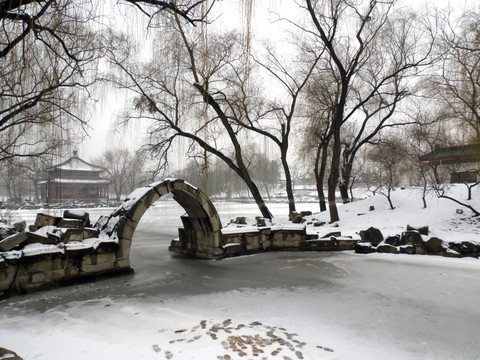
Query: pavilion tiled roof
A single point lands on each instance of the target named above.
(453, 154)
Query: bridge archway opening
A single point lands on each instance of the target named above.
(200, 235)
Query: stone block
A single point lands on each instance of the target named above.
(122, 265)
(252, 242)
(385, 248)
(107, 246)
(79, 215)
(93, 269)
(33, 238)
(45, 220)
(126, 228)
(123, 251)
(332, 234)
(38, 277)
(78, 251)
(72, 235)
(234, 249)
(12, 241)
(215, 222)
(346, 244)
(47, 263)
(70, 223)
(187, 222)
(55, 276)
(137, 210)
(106, 257)
(161, 189)
(211, 252)
(89, 233)
(177, 185)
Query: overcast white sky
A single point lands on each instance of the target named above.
(104, 134)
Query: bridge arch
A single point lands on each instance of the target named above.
(201, 232)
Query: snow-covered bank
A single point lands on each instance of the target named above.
(440, 216)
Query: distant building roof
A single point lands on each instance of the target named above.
(77, 164)
(453, 154)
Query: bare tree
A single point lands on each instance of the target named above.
(371, 54)
(124, 169)
(458, 80)
(183, 95)
(389, 158)
(48, 55)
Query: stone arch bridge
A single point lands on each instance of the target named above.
(201, 233)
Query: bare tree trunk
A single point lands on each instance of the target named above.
(288, 183)
(343, 185)
(334, 171)
(319, 170)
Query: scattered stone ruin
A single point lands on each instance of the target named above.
(412, 241)
(54, 250)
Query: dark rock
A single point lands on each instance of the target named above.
(407, 250)
(393, 240)
(422, 230)
(20, 226)
(434, 246)
(465, 248)
(371, 208)
(319, 223)
(295, 217)
(371, 235)
(385, 248)
(364, 248)
(420, 250)
(306, 213)
(241, 220)
(411, 238)
(6, 232)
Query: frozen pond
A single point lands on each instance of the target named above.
(314, 305)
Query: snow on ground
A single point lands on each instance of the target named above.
(296, 305)
(440, 215)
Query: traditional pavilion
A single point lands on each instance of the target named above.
(74, 180)
(465, 157)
